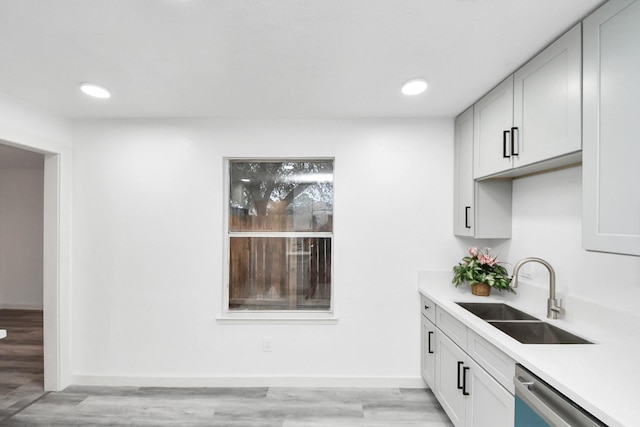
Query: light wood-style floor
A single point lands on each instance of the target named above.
(21, 360)
(24, 403)
(240, 407)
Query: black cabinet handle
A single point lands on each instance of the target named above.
(426, 307)
(464, 381)
(466, 216)
(505, 137)
(429, 350)
(459, 385)
(514, 134)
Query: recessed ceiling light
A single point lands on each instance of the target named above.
(414, 87)
(95, 91)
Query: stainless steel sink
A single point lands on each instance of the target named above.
(538, 333)
(520, 325)
(495, 311)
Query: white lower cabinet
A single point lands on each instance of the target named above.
(450, 361)
(428, 352)
(471, 385)
(488, 403)
(427, 341)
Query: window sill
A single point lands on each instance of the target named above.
(277, 318)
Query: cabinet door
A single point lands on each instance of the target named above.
(463, 209)
(450, 360)
(428, 352)
(611, 200)
(493, 360)
(547, 102)
(492, 117)
(488, 403)
(481, 209)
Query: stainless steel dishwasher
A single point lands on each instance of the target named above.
(540, 405)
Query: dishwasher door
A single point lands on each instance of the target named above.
(539, 405)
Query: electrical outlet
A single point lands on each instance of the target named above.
(526, 271)
(266, 344)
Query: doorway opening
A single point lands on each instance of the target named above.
(21, 273)
(28, 271)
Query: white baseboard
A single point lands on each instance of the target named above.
(322, 382)
(21, 307)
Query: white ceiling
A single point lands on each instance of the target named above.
(270, 58)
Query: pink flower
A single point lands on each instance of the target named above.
(486, 259)
(473, 251)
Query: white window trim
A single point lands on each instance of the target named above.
(315, 317)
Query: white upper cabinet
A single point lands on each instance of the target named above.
(611, 193)
(534, 115)
(493, 119)
(547, 102)
(481, 209)
(463, 175)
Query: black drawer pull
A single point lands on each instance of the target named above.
(459, 385)
(514, 134)
(505, 137)
(464, 381)
(466, 216)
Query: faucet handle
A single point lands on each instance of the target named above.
(554, 309)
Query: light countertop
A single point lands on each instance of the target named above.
(602, 377)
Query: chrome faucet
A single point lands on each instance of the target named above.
(553, 305)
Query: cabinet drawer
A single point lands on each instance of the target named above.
(428, 308)
(452, 328)
(495, 362)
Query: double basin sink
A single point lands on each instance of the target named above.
(520, 325)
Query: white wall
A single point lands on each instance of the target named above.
(21, 223)
(148, 241)
(547, 223)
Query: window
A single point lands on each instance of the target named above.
(280, 235)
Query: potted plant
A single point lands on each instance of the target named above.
(481, 270)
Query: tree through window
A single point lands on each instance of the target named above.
(280, 234)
